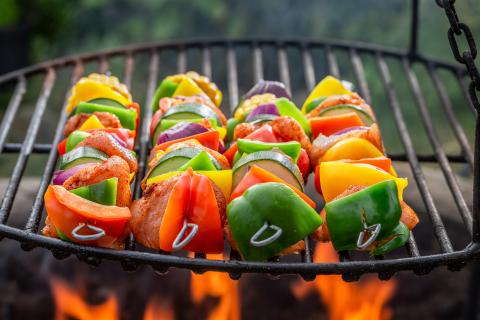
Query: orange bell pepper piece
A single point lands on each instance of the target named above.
(330, 125)
(67, 210)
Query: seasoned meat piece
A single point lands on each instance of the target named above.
(409, 217)
(243, 129)
(290, 130)
(322, 143)
(107, 119)
(110, 168)
(49, 229)
(147, 212)
(105, 142)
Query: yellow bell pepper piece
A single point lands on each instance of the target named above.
(337, 176)
(91, 123)
(352, 149)
(249, 105)
(204, 83)
(329, 86)
(88, 89)
(187, 88)
(222, 132)
(222, 178)
(112, 82)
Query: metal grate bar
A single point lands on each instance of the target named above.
(411, 246)
(147, 116)
(36, 211)
(232, 77)
(360, 75)
(182, 60)
(437, 147)
(27, 146)
(332, 62)
(128, 69)
(438, 227)
(308, 68)
(283, 67)
(207, 62)
(257, 63)
(12, 108)
(103, 65)
(451, 117)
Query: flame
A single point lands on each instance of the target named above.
(347, 301)
(218, 285)
(69, 304)
(157, 309)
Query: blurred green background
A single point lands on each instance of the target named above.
(52, 28)
(36, 30)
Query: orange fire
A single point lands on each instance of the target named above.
(157, 309)
(352, 301)
(69, 304)
(217, 285)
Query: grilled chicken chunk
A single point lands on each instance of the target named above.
(106, 143)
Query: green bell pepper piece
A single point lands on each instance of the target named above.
(291, 148)
(347, 216)
(166, 89)
(399, 237)
(287, 108)
(237, 156)
(75, 138)
(127, 117)
(314, 103)
(273, 207)
(201, 161)
(104, 192)
(231, 124)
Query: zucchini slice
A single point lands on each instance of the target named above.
(80, 156)
(275, 162)
(175, 159)
(190, 111)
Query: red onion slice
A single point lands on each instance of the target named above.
(60, 176)
(181, 130)
(266, 108)
(274, 87)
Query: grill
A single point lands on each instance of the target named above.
(290, 59)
